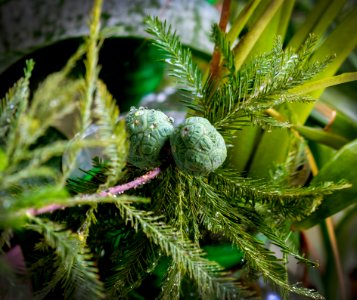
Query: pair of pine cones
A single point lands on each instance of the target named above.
(196, 146)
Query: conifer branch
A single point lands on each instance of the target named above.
(263, 260)
(54, 98)
(224, 47)
(71, 63)
(259, 258)
(170, 289)
(177, 57)
(89, 86)
(75, 270)
(91, 62)
(185, 254)
(263, 83)
(221, 218)
(91, 180)
(41, 155)
(107, 114)
(293, 203)
(11, 104)
(26, 173)
(70, 163)
(136, 259)
(182, 212)
(36, 160)
(18, 102)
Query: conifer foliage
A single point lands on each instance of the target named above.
(84, 240)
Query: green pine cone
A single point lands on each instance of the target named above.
(197, 147)
(148, 130)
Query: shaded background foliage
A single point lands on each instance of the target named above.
(130, 70)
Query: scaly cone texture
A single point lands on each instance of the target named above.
(197, 147)
(149, 130)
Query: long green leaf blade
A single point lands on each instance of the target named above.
(341, 166)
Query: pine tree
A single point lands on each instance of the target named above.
(97, 236)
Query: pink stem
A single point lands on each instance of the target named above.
(115, 190)
(119, 189)
(44, 210)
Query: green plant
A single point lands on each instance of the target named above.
(148, 130)
(94, 241)
(197, 147)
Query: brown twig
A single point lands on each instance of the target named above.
(331, 120)
(223, 22)
(216, 56)
(115, 190)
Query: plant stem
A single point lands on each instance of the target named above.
(224, 15)
(44, 210)
(115, 190)
(119, 189)
(336, 255)
(216, 56)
